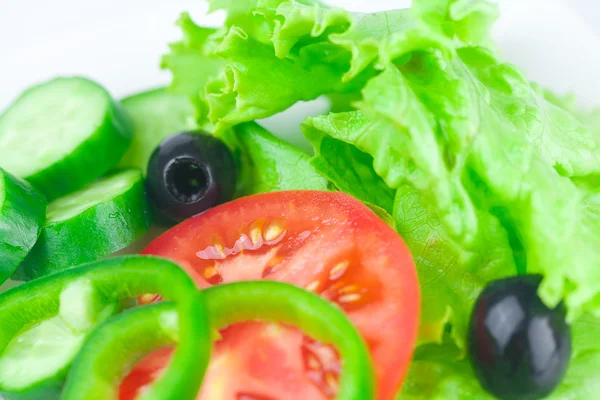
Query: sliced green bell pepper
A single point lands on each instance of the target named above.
(69, 304)
(112, 349)
(280, 302)
(115, 345)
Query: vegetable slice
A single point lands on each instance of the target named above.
(326, 242)
(92, 223)
(94, 371)
(155, 114)
(22, 213)
(106, 356)
(64, 127)
(243, 301)
(69, 305)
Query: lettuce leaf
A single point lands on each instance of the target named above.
(345, 165)
(273, 53)
(223, 72)
(490, 159)
(451, 275)
(589, 118)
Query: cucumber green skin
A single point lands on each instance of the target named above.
(95, 233)
(22, 215)
(92, 159)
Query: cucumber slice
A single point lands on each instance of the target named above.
(22, 213)
(156, 114)
(90, 224)
(32, 356)
(35, 362)
(62, 135)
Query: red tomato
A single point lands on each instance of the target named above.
(328, 243)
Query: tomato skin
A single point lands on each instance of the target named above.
(326, 242)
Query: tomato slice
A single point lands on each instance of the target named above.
(325, 242)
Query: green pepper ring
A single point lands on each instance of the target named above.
(322, 320)
(99, 364)
(110, 279)
(227, 304)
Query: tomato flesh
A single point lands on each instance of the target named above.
(325, 242)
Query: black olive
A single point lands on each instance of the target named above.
(189, 173)
(519, 348)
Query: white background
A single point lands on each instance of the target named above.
(119, 42)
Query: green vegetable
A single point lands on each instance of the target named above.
(45, 322)
(382, 214)
(107, 355)
(22, 213)
(64, 127)
(267, 164)
(316, 317)
(90, 224)
(349, 168)
(94, 372)
(155, 114)
(223, 71)
(451, 276)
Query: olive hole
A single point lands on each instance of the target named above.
(187, 180)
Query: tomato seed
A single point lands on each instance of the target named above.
(348, 289)
(339, 270)
(313, 286)
(274, 230)
(331, 380)
(256, 236)
(349, 298)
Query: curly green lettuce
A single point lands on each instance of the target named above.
(488, 155)
(233, 77)
(273, 53)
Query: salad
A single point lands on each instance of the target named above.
(439, 242)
